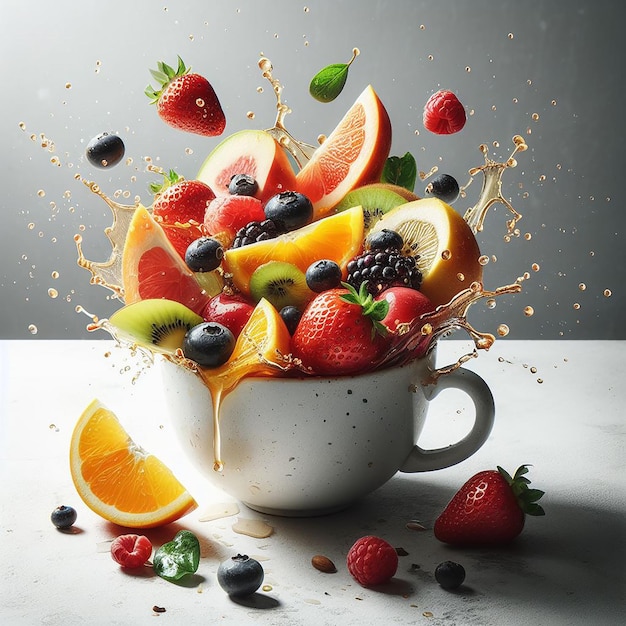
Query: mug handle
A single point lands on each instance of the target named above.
(421, 460)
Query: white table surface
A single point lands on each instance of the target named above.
(566, 568)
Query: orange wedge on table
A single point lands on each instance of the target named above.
(337, 238)
(447, 250)
(117, 479)
(353, 155)
(151, 267)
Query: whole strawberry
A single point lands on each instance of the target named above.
(489, 509)
(186, 101)
(340, 332)
(180, 200)
(443, 113)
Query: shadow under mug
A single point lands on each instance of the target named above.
(310, 446)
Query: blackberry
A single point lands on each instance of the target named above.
(256, 231)
(383, 269)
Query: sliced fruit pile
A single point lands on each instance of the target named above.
(346, 259)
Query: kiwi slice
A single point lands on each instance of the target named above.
(157, 324)
(376, 200)
(281, 283)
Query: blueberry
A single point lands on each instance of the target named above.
(242, 185)
(240, 575)
(291, 316)
(63, 516)
(289, 210)
(204, 254)
(209, 344)
(105, 150)
(443, 187)
(323, 275)
(450, 575)
(384, 239)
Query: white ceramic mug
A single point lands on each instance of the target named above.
(310, 446)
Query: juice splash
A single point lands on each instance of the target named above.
(261, 350)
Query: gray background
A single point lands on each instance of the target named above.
(567, 185)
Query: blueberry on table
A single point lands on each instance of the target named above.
(105, 150)
(209, 344)
(63, 517)
(240, 575)
(450, 575)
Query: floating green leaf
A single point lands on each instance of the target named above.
(178, 557)
(329, 82)
(401, 171)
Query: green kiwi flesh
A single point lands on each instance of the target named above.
(157, 324)
(375, 200)
(281, 283)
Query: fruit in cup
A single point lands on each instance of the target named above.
(289, 210)
(489, 509)
(227, 214)
(405, 305)
(252, 152)
(282, 284)
(337, 238)
(119, 480)
(322, 275)
(178, 200)
(209, 344)
(447, 251)
(231, 311)
(152, 268)
(243, 185)
(340, 332)
(353, 155)
(156, 323)
(204, 254)
(186, 101)
(105, 150)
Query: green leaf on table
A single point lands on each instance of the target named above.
(329, 82)
(178, 557)
(400, 171)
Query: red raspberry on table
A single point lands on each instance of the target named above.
(372, 561)
(443, 113)
(131, 551)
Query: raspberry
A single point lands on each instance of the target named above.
(372, 561)
(443, 113)
(131, 550)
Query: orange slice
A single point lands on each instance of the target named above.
(337, 238)
(117, 479)
(151, 267)
(258, 351)
(447, 248)
(353, 155)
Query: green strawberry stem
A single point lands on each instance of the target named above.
(526, 498)
(375, 310)
(169, 178)
(164, 75)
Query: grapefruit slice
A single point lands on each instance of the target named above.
(252, 152)
(120, 481)
(448, 253)
(152, 268)
(337, 238)
(353, 155)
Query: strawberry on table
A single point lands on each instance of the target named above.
(186, 101)
(340, 332)
(443, 113)
(489, 509)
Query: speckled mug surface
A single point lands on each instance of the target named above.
(309, 446)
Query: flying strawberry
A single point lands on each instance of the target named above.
(340, 332)
(186, 101)
(489, 509)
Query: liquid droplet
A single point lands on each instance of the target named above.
(32, 329)
(529, 311)
(608, 293)
(503, 330)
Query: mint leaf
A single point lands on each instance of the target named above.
(400, 171)
(329, 82)
(178, 557)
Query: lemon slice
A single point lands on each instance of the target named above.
(446, 248)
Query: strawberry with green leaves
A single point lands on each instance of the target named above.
(186, 101)
(489, 509)
(340, 332)
(179, 206)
